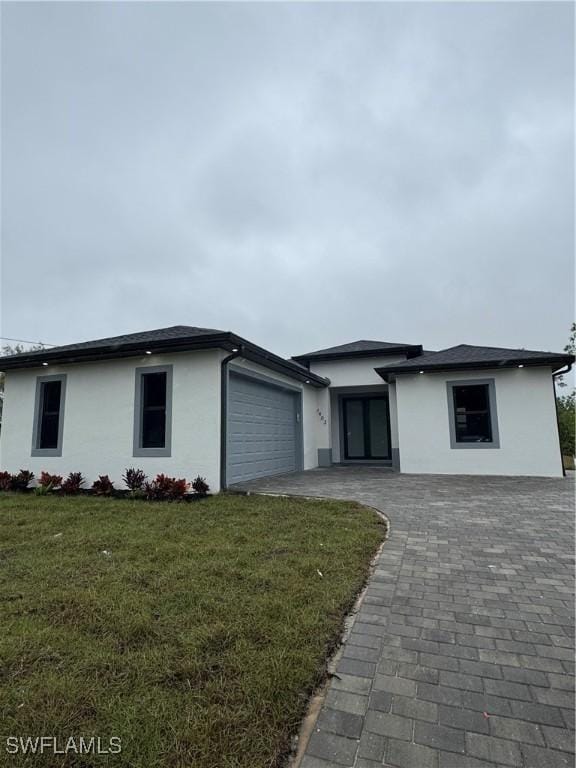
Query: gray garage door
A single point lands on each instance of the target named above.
(263, 430)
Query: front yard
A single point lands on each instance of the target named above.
(192, 632)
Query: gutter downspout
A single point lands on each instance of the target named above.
(224, 412)
(559, 373)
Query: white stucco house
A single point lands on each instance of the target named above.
(188, 401)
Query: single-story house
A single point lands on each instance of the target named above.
(192, 401)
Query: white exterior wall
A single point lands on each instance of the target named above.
(311, 422)
(527, 425)
(355, 371)
(323, 417)
(99, 419)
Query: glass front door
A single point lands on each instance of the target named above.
(366, 428)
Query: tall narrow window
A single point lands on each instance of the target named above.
(472, 406)
(48, 416)
(154, 410)
(152, 424)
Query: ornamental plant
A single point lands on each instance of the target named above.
(134, 479)
(49, 482)
(164, 488)
(200, 486)
(22, 480)
(103, 486)
(178, 489)
(73, 483)
(5, 481)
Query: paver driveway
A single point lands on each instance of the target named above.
(461, 655)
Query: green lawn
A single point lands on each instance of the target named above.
(196, 639)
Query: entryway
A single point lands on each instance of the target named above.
(366, 428)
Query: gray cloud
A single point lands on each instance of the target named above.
(303, 174)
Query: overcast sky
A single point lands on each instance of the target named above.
(303, 174)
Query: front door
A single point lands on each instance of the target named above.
(366, 425)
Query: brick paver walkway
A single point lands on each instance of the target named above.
(461, 655)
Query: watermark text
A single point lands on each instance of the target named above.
(79, 745)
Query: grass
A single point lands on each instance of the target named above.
(196, 639)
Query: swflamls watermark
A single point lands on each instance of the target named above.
(79, 745)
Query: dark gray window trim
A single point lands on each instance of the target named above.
(139, 373)
(36, 451)
(495, 442)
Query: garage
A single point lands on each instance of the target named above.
(264, 434)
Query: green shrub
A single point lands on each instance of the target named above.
(566, 423)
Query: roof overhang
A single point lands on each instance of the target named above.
(226, 341)
(555, 362)
(410, 350)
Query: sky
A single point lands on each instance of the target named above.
(301, 174)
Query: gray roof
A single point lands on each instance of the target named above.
(360, 348)
(176, 338)
(466, 356)
(172, 333)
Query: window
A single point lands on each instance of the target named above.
(153, 411)
(472, 409)
(48, 416)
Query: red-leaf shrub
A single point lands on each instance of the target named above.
(134, 479)
(103, 486)
(178, 489)
(159, 488)
(22, 480)
(5, 481)
(164, 487)
(73, 483)
(49, 481)
(200, 486)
